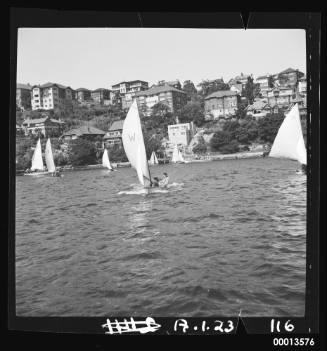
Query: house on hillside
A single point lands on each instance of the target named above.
(46, 126)
(289, 77)
(166, 94)
(259, 109)
(82, 94)
(100, 95)
(23, 96)
(221, 104)
(114, 135)
(86, 132)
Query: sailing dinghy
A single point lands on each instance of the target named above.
(37, 167)
(153, 159)
(106, 161)
(289, 141)
(177, 156)
(134, 147)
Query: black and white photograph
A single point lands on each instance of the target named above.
(161, 172)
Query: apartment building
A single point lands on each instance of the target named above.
(166, 94)
(289, 77)
(241, 79)
(223, 103)
(264, 83)
(23, 96)
(100, 95)
(82, 94)
(125, 91)
(51, 96)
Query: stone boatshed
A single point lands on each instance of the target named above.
(221, 104)
(86, 132)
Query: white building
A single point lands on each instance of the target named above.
(303, 85)
(51, 96)
(181, 134)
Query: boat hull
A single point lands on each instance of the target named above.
(38, 174)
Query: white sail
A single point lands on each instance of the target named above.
(289, 142)
(49, 157)
(180, 156)
(175, 157)
(37, 162)
(153, 159)
(105, 160)
(133, 143)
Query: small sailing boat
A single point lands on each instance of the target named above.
(37, 167)
(177, 156)
(134, 147)
(289, 141)
(153, 159)
(106, 161)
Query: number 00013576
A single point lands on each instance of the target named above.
(293, 342)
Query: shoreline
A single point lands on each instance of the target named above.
(212, 158)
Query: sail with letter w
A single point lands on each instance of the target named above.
(134, 147)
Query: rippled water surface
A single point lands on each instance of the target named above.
(229, 235)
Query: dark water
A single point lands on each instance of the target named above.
(232, 236)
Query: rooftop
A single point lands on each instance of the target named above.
(50, 84)
(157, 89)
(85, 130)
(82, 89)
(41, 120)
(221, 93)
(117, 125)
(24, 86)
(99, 89)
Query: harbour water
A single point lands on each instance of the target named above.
(227, 236)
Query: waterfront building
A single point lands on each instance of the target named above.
(23, 96)
(181, 133)
(114, 135)
(166, 94)
(51, 96)
(223, 103)
(86, 132)
(46, 126)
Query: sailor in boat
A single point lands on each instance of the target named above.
(155, 182)
(303, 169)
(164, 181)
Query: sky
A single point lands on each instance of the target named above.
(100, 57)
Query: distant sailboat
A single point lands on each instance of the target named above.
(49, 157)
(289, 142)
(153, 159)
(105, 160)
(134, 147)
(37, 167)
(177, 156)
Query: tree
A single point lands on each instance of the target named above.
(230, 148)
(219, 139)
(249, 91)
(117, 153)
(159, 119)
(269, 125)
(152, 143)
(190, 90)
(81, 152)
(192, 112)
(240, 113)
(201, 147)
(208, 87)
